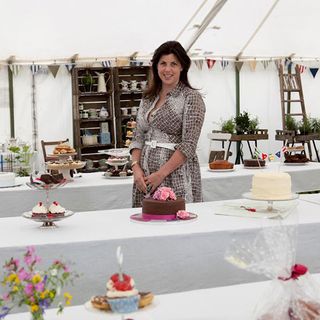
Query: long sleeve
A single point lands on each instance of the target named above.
(193, 117)
(139, 135)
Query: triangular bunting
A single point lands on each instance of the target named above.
(264, 156)
(238, 65)
(278, 154)
(278, 63)
(301, 68)
(252, 65)
(70, 66)
(265, 64)
(271, 156)
(210, 63)
(224, 64)
(35, 68)
(314, 71)
(122, 62)
(14, 69)
(199, 64)
(288, 63)
(54, 68)
(106, 64)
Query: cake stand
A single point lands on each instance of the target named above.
(270, 208)
(65, 168)
(47, 222)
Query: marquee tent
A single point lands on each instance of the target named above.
(259, 33)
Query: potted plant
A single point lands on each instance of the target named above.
(315, 124)
(242, 122)
(253, 125)
(228, 126)
(87, 81)
(305, 126)
(291, 123)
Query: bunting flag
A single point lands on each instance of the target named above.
(122, 62)
(288, 63)
(253, 65)
(199, 64)
(14, 69)
(54, 68)
(278, 154)
(106, 64)
(278, 63)
(35, 68)
(238, 65)
(271, 156)
(210, 63)
(301, 68)
(314, 71)
(264, 156)
(284, 149)
(257, 152)
(265, 64)
(224, 64)
(70, 66)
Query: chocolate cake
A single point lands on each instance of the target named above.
(162, 207)
(295, 158)
(254, 163)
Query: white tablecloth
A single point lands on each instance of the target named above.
(94, 192)
(225, 303)
(163, 258)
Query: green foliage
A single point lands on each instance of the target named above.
(228, 126)
(315, 124)
(291, 123)
(242, 122)
(305, 126)
(253, 124)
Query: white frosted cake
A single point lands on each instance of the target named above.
(271, 186)
(7, 179)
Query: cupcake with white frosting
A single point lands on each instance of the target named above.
(56, 209)
(39, 210)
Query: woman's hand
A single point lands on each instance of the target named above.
(139, 178)
(154, 180)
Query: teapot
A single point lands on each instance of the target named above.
(103, 113)
(125, 85)
(134, 85)
(102, 82)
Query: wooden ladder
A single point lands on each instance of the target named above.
(291, 93)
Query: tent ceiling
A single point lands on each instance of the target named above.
(37, 29)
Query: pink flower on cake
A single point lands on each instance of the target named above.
(182, 214)
(164, 193)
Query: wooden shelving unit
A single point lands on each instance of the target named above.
(127, 100)
(86, 120)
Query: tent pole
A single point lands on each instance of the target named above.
(237, 78)
(258, 28)
(206, 21)
(11, 104)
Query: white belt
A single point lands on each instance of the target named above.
(155, 144)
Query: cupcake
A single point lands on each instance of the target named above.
(39, 211)
(121, 294)
(56, 210)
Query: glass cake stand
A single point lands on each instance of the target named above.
(270, 208)
(48, 221)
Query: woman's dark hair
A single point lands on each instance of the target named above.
(166, 48)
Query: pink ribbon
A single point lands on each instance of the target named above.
(149, 216)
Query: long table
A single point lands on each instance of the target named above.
(223, 303)
(94, 192)
(163, 258)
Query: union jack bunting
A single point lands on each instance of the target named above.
(35, 68)
(106, 64)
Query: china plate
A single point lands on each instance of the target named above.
(222, 170)
(117, 163)
(115, 177)
(17, 184)
(137, 217)
(119, 152)
(295, 163)
(248, 195)
(28, 215)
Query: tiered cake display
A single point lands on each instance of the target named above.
(118, 162)
(47, 212)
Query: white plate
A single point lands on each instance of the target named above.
(118, 163)
(245, 167)
(28, 215)
(13, 186)
(222, 170)
(115, 177)
(295, 163)
(248, 195)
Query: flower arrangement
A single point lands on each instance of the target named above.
(37, 289)
(164, 193)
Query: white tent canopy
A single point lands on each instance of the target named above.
(45, 32)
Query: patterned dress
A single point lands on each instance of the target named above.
(179, 121)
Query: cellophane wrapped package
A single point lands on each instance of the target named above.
(293, 293)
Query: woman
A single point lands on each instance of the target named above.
(169, 123)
